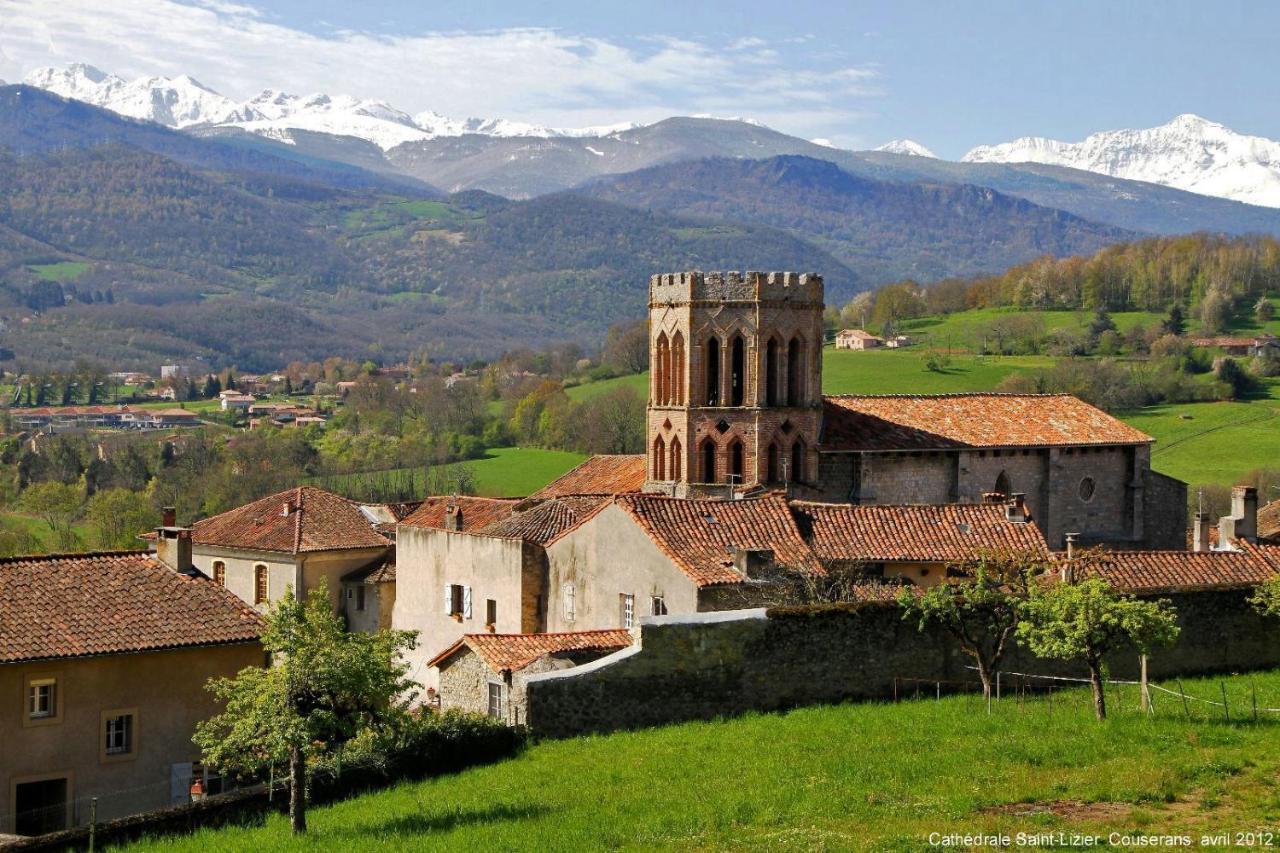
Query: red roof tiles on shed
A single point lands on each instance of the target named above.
(699, 535)
(547, 521)
(1186, 571)
(77, 605)
(943, 533)
(504, 652)
(300, 520)
(598, 475)
(476, 512)
(942, 421)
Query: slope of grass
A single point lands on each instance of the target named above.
(502, 472)
(1212, 442)
(903, 371)
(61, 271)
(872, 776)
(39, 530)
(965, 329)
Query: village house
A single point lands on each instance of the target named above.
(71, 418)
(295, 540)
(486, 673)
(858, 339)
(234, 401)
(103, 664)
(1240, 346)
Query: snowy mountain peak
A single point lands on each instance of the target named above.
(183, 101)
(1190, 153)
(906, 146)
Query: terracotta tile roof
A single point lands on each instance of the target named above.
(1183, 571)
(515, 651)
(860, 334)
(75, 605)
(298, 521)
(1228, 342)
(476, 512)
(598, 475)
(699, 535)
(945, 533)
(381, 570)
(1269, 521)
(547, 521)
(920, 422)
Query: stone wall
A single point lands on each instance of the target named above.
(720, 664)
(1165, 512)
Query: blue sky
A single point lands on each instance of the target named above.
(949, 75)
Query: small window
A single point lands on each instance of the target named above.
(118, 732)
(1087, 488)
(659, 606)
(570, 602)
(360, 597)
(490, 612)
(219, 573)
(495, 700)
(42, 698)
(627, 604)
(260, 588)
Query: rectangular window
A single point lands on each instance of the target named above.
(454, 597)
(627, 604)
(360, 597)
(260, 589)
(659, 606)
(119, 734)
(490, 612)
(220, 573)
(570, 602)
(495, 700)
(42, 698)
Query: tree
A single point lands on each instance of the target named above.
(1266, 600)
(117, 516)
(212, 387)
(325, 686)
(1264, 310)
(1086, 620)
(981, 609)
(626, 346)
(56, 503)
(1175, 322)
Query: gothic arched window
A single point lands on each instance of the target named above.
(771, 373)
(676, 460)
(737, 371)
(795, 372)
(1002, 485)
(798, 453)
(712, 371)
(772, 464)
(735, 462)
(662, 371)
(677, 369)
(708, 461)
(659, 459)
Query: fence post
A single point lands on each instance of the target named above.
(1226, 711)
(93, 823)
(1146, 692)
(1183, 693)
(997, 684)
(1253, 693)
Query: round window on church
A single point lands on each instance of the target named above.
(1086, 489)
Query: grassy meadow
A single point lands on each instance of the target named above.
(869, 776)
(501, 472)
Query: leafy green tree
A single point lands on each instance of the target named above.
(56, 503)
(981, 609)
(117, 516)
(1085, 620)
(326, 686)
(1175, 322)
(1264, 310)
(212, 387)
(1266, 600)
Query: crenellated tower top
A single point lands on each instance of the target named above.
(679, 288)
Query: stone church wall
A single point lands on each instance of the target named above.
(721, 664)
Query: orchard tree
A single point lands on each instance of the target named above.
(1267, 598)
(1085, 620)
(326, 685)
(981, 609)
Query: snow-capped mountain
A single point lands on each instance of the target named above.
(182, 102)
(906, 146)
(1189, 153)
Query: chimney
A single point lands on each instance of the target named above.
(1071, 544)
(992, 498)
(453, 518)
(173, 548)
(753, 563)
(169, 517)
(1200, 534)
(1244, 509)
(1016, 508)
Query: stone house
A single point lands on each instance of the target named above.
(919, 544)
(294, 539)
(858, 339)
(103, 664)
(369, 595)
(486, 673)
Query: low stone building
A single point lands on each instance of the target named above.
(291, 540)
(486, 673)
(103, 664)
(369, 595)
(857, 339)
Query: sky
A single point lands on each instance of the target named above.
(950, 75)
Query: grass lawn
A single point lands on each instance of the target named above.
(638, 382)
(870, 776)
(39, 529)
(1212, 442)
(62, 271)
(502, 472)
(964, 330)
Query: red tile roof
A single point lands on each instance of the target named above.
(915, 422)
(699, 535)
(476, 512)
(945, 533)
(1269, 520)
(298, 521)
(75, 605)
(1185, 571)
(381, 570)
(547, 521)
(515, 651)
(598, 475)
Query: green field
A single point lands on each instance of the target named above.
(39, 529)
(964, 330)
(1212, 442)
(638, 382)
(850, 777)
(503, 471)
(62, 271)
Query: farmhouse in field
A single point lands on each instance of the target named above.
(857, 339)
(103, 664)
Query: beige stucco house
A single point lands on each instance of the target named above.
(103, 664)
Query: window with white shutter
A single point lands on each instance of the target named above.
(466, 602)
(570, 602)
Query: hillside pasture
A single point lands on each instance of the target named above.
(61, 271)
(869, 776)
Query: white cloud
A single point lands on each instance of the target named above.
(538, 75)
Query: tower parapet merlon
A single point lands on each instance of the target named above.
(695, 285)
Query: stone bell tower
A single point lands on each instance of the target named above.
(735, 390)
